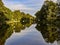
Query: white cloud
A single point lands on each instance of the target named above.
(22, 8)
(18, 7)
(54, 0)
(28, 6)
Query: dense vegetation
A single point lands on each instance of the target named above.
(48, 12)
(48, 21)
(13, 17)
(12, 21)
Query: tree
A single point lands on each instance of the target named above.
(24, 20)
(48, 12)
(3, 20)
(17, 15)
(46, 19)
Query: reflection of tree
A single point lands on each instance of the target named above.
(52, 34)
(49, 32)
(18, 26)
(3, 28)
(4, 34)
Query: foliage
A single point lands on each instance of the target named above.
(24, 20)
(11, 21)
(47, 21)
(48, 12)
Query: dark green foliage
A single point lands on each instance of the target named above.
(47, 20)
(10, 21)
(48, 12)
(25, 20)
(3, 20)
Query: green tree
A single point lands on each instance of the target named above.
(25, 20)
(3, 20)
(48, 12)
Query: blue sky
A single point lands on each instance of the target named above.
(27, 6)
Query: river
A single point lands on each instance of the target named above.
(28, 36)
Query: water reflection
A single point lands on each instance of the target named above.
(6, 30)
(3, 27)
(50, 31)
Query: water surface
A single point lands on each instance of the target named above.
(28, 36)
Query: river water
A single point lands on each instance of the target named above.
(28, 36)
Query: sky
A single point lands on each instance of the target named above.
(27, 6)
